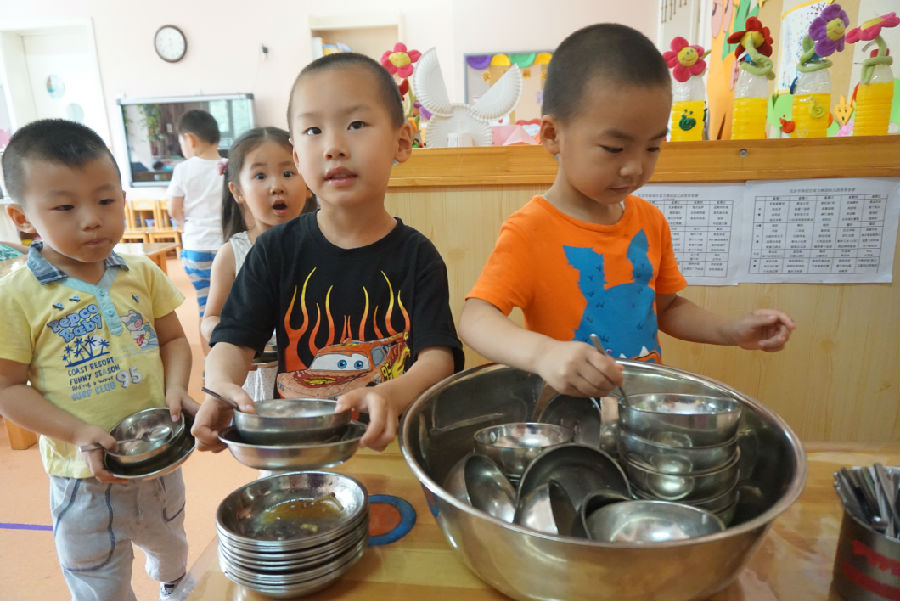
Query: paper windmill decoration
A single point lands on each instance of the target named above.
(462, 119)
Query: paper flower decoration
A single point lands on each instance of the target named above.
(755, 44)
(871, 29)
(827, 30)
(754, 35)
(825, 37)
(684, 59)
(399, 61)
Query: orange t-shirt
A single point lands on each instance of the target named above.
(573, 278)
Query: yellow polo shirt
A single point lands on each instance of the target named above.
(91, 348)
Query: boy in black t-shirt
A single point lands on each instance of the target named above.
(359, 301)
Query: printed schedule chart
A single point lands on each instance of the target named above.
(836, 230)
(702, 221)
(840, 230)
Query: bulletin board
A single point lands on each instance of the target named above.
(481, 70)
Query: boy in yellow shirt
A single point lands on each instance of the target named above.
(90, 337)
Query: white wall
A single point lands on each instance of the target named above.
(225, 38)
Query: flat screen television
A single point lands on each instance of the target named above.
(152, 137)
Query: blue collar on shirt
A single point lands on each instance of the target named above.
(45, 272)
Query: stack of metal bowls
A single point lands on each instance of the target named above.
(148, 442)
(438, 432)
(682, 447)
(286, 434)
(292, 534)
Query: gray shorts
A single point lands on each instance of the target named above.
(95, 524)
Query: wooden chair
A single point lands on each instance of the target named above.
(164, 231)
(161, 213)
(19, 437)
(137, 210)
(140, 234)
(169, 234)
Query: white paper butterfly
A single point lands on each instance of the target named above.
(449, 118)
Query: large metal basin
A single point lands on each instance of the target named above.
(524, 564)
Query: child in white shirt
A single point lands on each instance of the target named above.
(195, 194)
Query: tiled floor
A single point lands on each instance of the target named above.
(28, 566)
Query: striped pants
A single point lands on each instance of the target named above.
(197, 264)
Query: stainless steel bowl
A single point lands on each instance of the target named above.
(176, 453)
(257, 513)
(716, 504)
(681, 419)
(144, 435)
(579, 414)
(292, 534)
(488, 488)
(437, 431)
(513, 446)
(579, 469)
(287, 421)
(650, 522)
(534, 510)
(296, 455)
(674, 460)
(684, 487)
(455, 482)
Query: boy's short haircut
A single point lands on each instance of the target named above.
(54, 140)
(387, 87)
(201, 124)
(617, 53)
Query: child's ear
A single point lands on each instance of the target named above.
(17, 214)
(404, 142)
(550, 134)
(234, 192)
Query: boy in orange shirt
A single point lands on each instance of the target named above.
(588, 257)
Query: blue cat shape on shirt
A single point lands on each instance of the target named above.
(622, 316)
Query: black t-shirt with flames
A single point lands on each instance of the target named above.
(343, 318)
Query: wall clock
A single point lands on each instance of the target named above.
(170, 43)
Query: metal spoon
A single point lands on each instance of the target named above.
(889, 486)
(599, 346)
(849, 498)
(858, 489)
(220, 397)
(883, 485)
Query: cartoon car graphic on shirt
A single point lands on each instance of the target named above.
(350, 364)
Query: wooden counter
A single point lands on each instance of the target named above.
(838, 379)
(794, 560)
(710, 161)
